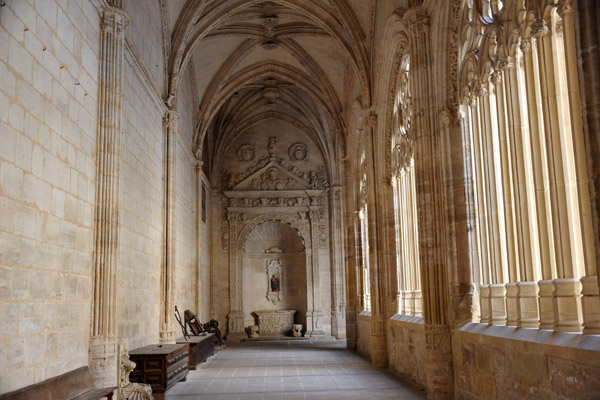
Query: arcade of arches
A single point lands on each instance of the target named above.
(417, 177)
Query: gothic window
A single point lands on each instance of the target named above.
(409, 297)
(522, 114)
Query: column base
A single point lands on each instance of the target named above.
(529, 315)
(512, 304)
(103, 362)
(546, 303)
(590, 305)
(567, 301)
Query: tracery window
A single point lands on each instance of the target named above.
(521, 105)
(405, 206)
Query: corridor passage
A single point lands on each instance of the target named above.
(286, 370)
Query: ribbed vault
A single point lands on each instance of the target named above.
(255, 60)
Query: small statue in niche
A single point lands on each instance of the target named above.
(274, 283)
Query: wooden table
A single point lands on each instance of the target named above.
(201, 347)
(160, 365)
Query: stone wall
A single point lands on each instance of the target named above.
(363, 334)
(48, 89)
(510, 363)
(186, 276)
(144, 34)
(141, 219)
(406, 348)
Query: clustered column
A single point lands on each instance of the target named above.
(103, 331)
(167, 277)
(428, 178)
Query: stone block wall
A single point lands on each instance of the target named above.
(186, 277)
(406, 348)
(48, 89)
(144, 34)
(363, 334)
(509, 363)
(141, 216)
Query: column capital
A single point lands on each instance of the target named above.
(416, 21)
(481, 91)
(525, 45)
(539, 28)
(114, 20)
(565, 7)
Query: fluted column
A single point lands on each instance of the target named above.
(167, 278)
(431, 218)
(103, 331)
(338, 279)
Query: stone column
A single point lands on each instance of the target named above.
(350, 256)
(103, 330)
(314, 315)
(201, 287)
(338, 279)
(430, 205)
(588, 47)
(167, 278)
(236, 306)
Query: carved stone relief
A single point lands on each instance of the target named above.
(298, 152)
(246, 152)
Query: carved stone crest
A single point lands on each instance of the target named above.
(246, 152)
(298, 152)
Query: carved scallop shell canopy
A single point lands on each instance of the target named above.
(273, 235)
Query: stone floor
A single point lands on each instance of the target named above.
(322, 370)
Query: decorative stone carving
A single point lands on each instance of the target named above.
(246, 152)
(271, 148)
(275, 323)
(127, 390)
(274, 275)
(298, 152)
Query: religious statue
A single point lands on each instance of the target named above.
(274, 283)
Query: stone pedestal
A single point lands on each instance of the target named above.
(276, 322)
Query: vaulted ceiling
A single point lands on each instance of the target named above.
(254, 60)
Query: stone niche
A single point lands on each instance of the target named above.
(275, 230)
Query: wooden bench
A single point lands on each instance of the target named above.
(74, 385)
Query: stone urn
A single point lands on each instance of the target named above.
(252, 331)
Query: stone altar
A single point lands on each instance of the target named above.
(275, 322)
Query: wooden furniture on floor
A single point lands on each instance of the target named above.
(74, 385)
(201, 347)
(160, 366)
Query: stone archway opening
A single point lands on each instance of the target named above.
(274, 272)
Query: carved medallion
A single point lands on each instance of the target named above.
(298, 152)
(246, 152)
